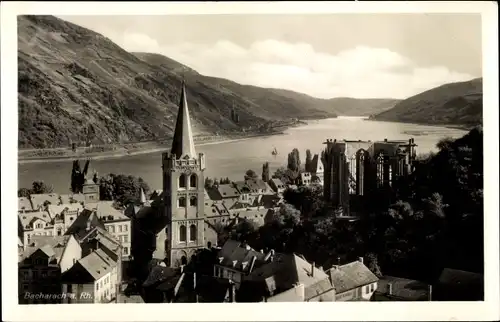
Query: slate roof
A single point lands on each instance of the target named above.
(350, 276)
(255, 184)
(227, 191)
(402, 289)
(285, 271)
(238, 256)
(160, 274)
(79, 227)
(242, 187)
(459, 277)
(278, 183)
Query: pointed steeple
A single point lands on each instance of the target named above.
(143, 197)
(183, 143)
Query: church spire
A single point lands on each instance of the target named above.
(143, 196)
(183, 143)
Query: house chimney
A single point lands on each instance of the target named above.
(338, 261)
(389, 288)
(430, 292)
(385, 140)
(360, 259)
(252, 264)
(312, 269)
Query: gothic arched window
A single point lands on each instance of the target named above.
(353, 174)
(361, 159)
(193, 201)
(193, 180)
(380, 169)
(182, 202)
(182, 181)
(182, 233)
(192, 232)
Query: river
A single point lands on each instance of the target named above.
(232, 159)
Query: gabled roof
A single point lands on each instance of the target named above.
(350, 276)
(238, 256)
(97, 264)
(106, 211)
(83, 224)
(52, 246)
(183, 143)
(55, 210)
(28, 218)
(286, 271)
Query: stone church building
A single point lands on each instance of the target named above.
(356, 169)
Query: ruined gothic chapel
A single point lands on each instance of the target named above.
(355, 169)
(184, 192)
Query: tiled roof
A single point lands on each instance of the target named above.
(24, 203)
(37, 200)
(402, 288)
(228, 191)
(97, 263)
(237, 256)
(350, 276)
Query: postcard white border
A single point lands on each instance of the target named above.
(370, 311)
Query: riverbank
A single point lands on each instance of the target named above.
(119, 151)
(448, 126)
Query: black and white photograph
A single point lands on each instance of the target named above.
(198, 155)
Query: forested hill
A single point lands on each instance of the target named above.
(75, 83)
(454, 104)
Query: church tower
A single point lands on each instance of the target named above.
(184, 192)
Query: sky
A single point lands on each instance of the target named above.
(325, 56)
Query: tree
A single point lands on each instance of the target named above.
(209, 182)
(122, 188)
(265, 172)
(24, 192)
(372, 263)
(40, 187)
(308, 165)
(294, 160)
(250, 174)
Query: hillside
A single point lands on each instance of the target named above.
(454, 104)
(75, 84)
